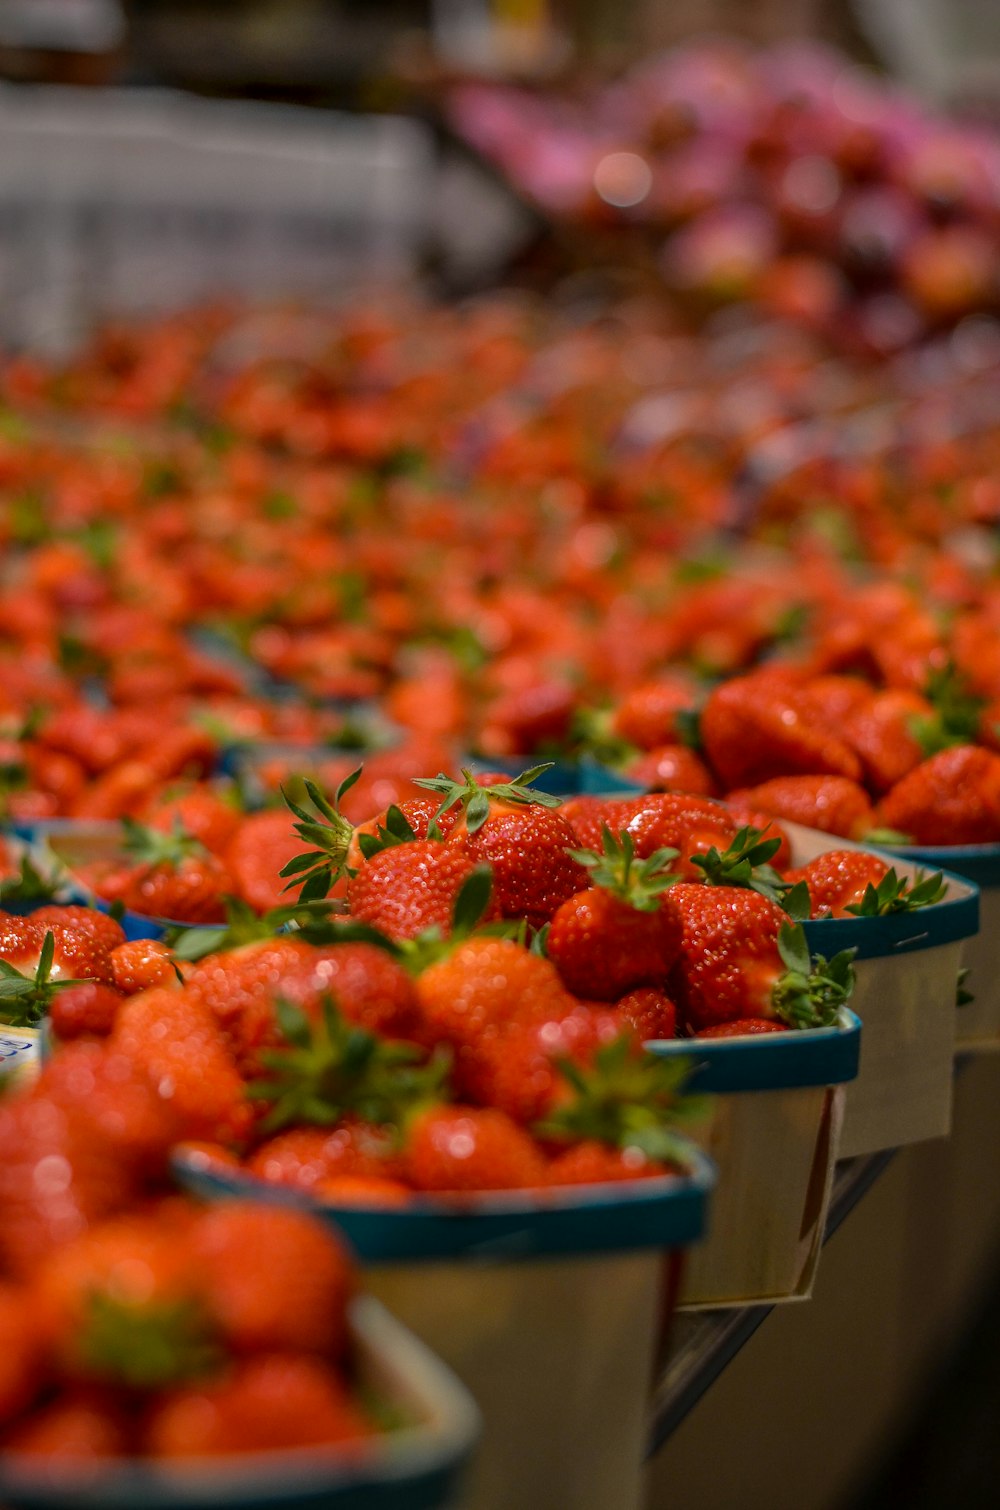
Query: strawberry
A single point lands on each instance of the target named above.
(201, 812)
(24, 998)
(754, 728)
(306, 1157)
(77, 953)
(671, 768)
(515, 1068)
(140, 964)
(175, 1039)
(74, 1428)
(650, 1011)
(741, 958)
(514, 829)
(884, 733)
(364, 1190)
(165, 876)
(743, 1027)
(87, 1008)
(485, 983)
(952, 798)
(261, 846)
(89, 921)
(408, 888)
(21, 1353)
(838, 877)
(595, 1163)
(746, 862)
(277, 1400)
(239, 1247)
(621, 931)
(466, 1148)
(746, 816)
(830, 803)
(647, 716)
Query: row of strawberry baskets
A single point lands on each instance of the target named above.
(554, 1315)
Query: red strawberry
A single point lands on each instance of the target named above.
(256, 854)
(76, 955)
(672, 768)
(515, 1068)
(754, 728)
(515, 830)
(364, 1190)
(743, 1027)
(238, 1248)
(140, 964)
(882, 731)
(74, 1428)
(952, 798)
(741, 958)
(830, 803)
(89, 921)
(273, 1401)
(166, 876)
(468, 1148)
(620, 932)
(838, 879)
(647, 715)
(485, 983)
(176, 1040)
(89, 1008)
(650, 1011)
(21, 1353)
(306, 1157)
(407, 888)
(594, 1163)
(200, 812)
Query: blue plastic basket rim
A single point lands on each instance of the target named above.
(975, 863)
(664, 1212)
(794, 1060)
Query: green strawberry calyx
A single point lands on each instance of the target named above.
(24, 999)
(746, 863)
(395, 830)
(895, 894)
(30, 884)
(476, 799)
(149, 1346)
(956, 712)
(331, 1068)
(327, 833)
(243, 926)
(153, 847)
(626, 1098)
(812, 989)
(592, 732)
(615, 870)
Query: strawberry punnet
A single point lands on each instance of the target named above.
(621, 931)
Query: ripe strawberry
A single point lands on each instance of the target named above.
(621, 931)
(671, 768)
(513, 829)
(754, 728)
(89, 921)
(407, 888)
(74, 1428)
(468, 1148)
(364, 1190)
(743, 1027)
(200, 812)
(89, 1008)
(590, 816)
(883, 733)
(166, 876)
(830, 803)
(305, 1157)
(647, 715)
(485, 983)
(952, 798)
(741, 958)
(140, 964)
(838, 878)
(239, 1247)
(650, 1011)
(256, 854)
(265, 1403)
(175, 1039)
(21, 1353)
(515, 1068)
(76, 954)
(595, 1163)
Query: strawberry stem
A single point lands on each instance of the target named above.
(812, 989)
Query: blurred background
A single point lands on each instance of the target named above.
(276, 146)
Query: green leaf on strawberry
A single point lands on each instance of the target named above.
(476, 799)
(24, 999)
(328, 834)
(813, 989)
(895, 894)
(615, 870)
(746, 863)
